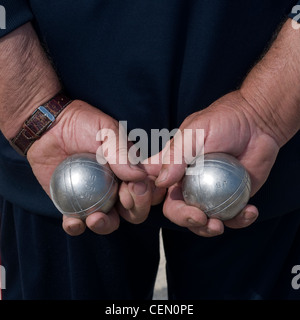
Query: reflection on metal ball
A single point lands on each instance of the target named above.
(220, 186)
(80, 186)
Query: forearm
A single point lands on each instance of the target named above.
(27, 78)
(272, 87)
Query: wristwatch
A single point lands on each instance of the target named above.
(39, 122)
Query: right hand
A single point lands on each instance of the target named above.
(75, 132)
(230, 126)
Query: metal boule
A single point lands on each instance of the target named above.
(219, 186)
(80, 186)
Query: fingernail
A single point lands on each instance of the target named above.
(139, 188)
(210, 231)
(99, 224)
(191, 221)
(162, 175)
(249, 215)
(75, 227)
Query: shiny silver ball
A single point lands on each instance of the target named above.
(80, 186)
(219, 185)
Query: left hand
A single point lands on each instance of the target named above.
(75, 132)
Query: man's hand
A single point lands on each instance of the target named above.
(250, 124)
(75, 132)
(27, 81)
(228, 128)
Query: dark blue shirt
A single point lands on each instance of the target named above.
(152, 63)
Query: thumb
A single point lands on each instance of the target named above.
(153, 164)
(182, 150)
(173, 164)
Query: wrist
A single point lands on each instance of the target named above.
(27, 78)
(14, 122)
(42, 119)
(272, 87)
(259, 110)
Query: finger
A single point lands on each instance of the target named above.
(213, 228)
(127, 200)
(247, 216)
(114, 150)
(158, 194)
(153, 164)
(177, 211)
(73, 226)
(186, 145)
(128, 172)
(139, 195)
(125, 197)
(173, 165)
(160, 162)
(102, 223)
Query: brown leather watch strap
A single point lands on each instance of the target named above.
(38, 123)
